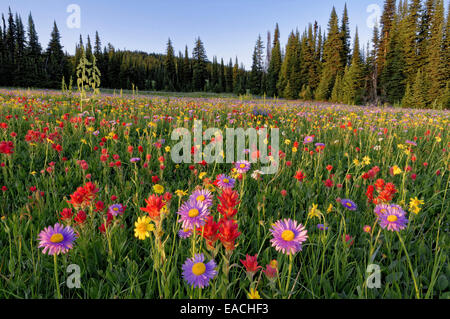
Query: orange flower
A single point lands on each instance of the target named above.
(154, 205)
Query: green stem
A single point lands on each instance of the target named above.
(58, 292)
(410, 265)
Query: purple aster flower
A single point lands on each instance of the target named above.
(193, 214)
(349, 204)
(116, 209)
(319, 144)
(308, 139)
(197, 273)
(224, 181)
(57, 239)
(381, 209)
(411, 143)
(202, 195)
(288, 236)
(184, 233)
(242, 166)
(135, 159)
(322, 227)
(394, 219)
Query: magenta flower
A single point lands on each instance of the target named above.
(57, 239)
(288, 236)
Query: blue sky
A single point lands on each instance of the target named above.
(227, 28)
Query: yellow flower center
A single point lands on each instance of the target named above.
(56, 238)
(198, 269)
(142, 227)
(201, 198)
(392, 218)
(193, 212)
(383, 210)
(226, 180)
(349, 205)
(242, 165)
(115, 209)
(288, 235)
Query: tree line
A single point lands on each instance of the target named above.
(406, 63)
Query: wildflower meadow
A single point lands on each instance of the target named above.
(92, 204)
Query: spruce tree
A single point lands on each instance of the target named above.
(332, 58)
(55, 60)
(387, 20)
(435, 76)
(273, 72)
(170, 69)
(393, 77)
(289, 83)
(345, 37)
(256, 74)
(34, 56)
(199, 74)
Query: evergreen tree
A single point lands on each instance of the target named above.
(410, 40)
(187, 72)
(199, 74)
(332, 58)
(345, 35)
(55, 60)
(353, 77)
(387, 20)
(419, 91)
(34, 56)
(256, 74)
(289, 83)
(274, 65)
(392, 77)
(170, 69)
(435, 68)
(229, 77)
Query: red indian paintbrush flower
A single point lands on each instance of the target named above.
(251, 264)
(229, 199)
(154, 205)
(228, 232)
(209, 232)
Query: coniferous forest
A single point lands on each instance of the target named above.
(407, 62)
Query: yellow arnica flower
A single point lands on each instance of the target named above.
(314, 212)
(396, 170)
(143, 227)
(159, 189)
(414, 205)
(253, 294)
(330, 209)
(180, 193)
(201, 175)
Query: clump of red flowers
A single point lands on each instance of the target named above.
(6, 147)
(385, 191)
(83, 196)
